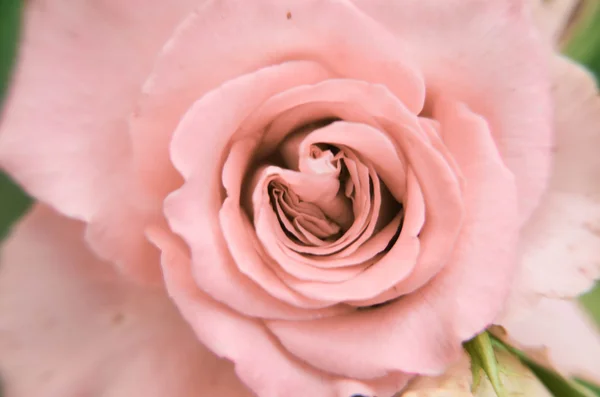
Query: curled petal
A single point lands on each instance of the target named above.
(376, 106)
(227, 334)
(226, 39)
(422, 332)
(193, 210)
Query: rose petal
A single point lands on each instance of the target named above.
(242, 241)
(269, 231)
(492, 218)
(192, 211)
(432, 129)
(330, 90)
(227, 334)
(566, 333)
(442, 186)
(70, 326)
(252, 262)
(223, 110)
(341, 98)
(560, 246)
(269, 234)
(290, 120)
(393, 266)
(75, 147)
(378, 149)
(423, 331)
(226, 39)
(379, 102)
(302, 201)
(80, 69)
(456, 381)
(488, 55)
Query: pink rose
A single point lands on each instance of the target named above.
(333, 194)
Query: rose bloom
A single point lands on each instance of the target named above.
(293, 198)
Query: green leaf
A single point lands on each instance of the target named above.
(593, 388)
(558, 385)
(483, 358)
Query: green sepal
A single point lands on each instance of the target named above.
(483, 358)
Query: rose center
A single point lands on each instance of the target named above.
(329, 195)
(327, 217)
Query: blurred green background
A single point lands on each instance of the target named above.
(12, 201)
(583, 45)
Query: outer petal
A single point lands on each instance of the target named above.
(64, 130)
(486, 54)
(244, 339)
(570, 339)
(228, 38)
(456, 381)
(560, 247)
(63, 135)
(69, 327)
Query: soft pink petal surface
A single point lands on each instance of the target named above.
(560, 246)
(81, 67)
(459, 302)
(189, 208)
(569, 337)
(193, 210)
(488, 55)
(395, 264)
(250, 36)
(262, 363)
(63, 134)
(440, 184)
(69, 326)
